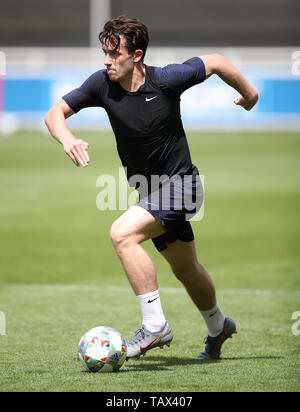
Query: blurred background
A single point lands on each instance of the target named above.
(59, 274)
(49, 48)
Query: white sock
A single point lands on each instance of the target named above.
(153, 316)
(214, 319)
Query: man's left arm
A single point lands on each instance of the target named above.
(219, 65)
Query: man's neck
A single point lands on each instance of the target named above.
(135, 79)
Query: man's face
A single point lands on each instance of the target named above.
(118, 62)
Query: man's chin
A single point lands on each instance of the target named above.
(112, 76)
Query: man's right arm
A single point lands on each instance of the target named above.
(55, 120)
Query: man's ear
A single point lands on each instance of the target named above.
(137, 55)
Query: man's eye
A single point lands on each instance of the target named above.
(111, 54)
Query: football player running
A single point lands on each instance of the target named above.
(143, 105)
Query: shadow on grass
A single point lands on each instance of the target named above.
(156, 363)
(159, 363)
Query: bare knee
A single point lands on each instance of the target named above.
(117, 235)
(121, 238)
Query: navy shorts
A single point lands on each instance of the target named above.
(175, 202)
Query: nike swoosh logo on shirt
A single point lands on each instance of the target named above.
(151, 98)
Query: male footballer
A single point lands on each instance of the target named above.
(143, 106)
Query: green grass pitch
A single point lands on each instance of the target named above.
(59, 275)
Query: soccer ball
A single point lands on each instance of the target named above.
(102, 349)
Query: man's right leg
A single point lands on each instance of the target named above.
(132, 228)
(127, 233)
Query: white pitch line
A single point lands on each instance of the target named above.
(167, 290)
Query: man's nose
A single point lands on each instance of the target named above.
(107, 60)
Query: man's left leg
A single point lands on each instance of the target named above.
(183, 260)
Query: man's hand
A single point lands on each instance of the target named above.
(55, 120)
(77, 150)
(246, 104)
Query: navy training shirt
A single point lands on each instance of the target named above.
(146, 123)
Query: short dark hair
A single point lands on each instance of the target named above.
(134, 31)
